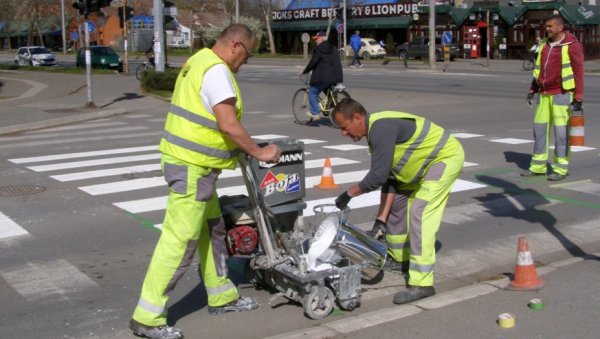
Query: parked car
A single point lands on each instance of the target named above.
(101, 57)
(369, 48)
(35, 56)
(418, 48)
(179, 44)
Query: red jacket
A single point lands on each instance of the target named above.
(549, 80)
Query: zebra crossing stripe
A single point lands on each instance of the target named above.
(365, 200)
(87, 163)
(79, 133)
(106, 172)
(9, 228)
(83, 154)
(63, 141)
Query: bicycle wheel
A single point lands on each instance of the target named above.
(139, 71)
(528, 64)
(300, 106)
(336, 96)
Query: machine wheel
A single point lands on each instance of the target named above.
(349, 305)
(300, 106)
(316, 305)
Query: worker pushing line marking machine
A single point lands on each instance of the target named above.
(314, 265)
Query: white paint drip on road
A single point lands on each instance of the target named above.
(9, 228)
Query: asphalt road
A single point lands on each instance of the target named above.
(77, 271)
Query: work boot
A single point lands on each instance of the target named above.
(529, 174)
(556, 177)
(313, 117)
(155, 332)
(240, 305)
(413, 293)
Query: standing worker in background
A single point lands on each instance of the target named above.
(558, 78)
(355, 43)
(423, 161)
(326, 70)
(203, 135)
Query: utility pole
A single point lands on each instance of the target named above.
(158, 46)
(432, 58)
(64, 33)
(125, 47)
(489, 26)
(237, 11)
(345, 28)
(88, 65)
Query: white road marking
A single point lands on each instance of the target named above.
(512, 141)
(268, 136)
(466, 135)
(346, 147)
(9, 228)
(106, 172)
(46, 279)
(87, 163)
(311, 141)
(83, 154)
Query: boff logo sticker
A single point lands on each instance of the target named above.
(286, 158)
(286, 183)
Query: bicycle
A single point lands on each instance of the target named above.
(143, 67)
(529, 61)
(328, 99)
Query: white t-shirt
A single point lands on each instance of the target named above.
(217, 86)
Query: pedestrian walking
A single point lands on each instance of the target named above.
(203, 135)
(355, 43)
(326, 68)
(559, 83)
(415, 162)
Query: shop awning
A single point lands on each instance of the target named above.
(301, 25)
(580, 15)
(510, 14)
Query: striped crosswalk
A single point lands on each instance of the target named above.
(114, 172)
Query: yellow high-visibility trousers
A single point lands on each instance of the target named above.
(551, 111)
(192, 222)
(416, 216)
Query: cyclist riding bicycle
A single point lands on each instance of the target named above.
(326, 70)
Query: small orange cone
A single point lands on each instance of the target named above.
(525, 278)
(327, 182)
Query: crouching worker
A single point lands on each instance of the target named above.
(203, 135)
(416, 162)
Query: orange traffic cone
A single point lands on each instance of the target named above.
(525, 278)
(576, 129)
(327, 182)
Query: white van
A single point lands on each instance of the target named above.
(369, 48)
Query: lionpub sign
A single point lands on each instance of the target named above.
(366, 11)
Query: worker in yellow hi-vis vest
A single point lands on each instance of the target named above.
(416, 162)
(203, 135)
(558, 78)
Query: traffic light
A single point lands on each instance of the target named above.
(128, 14)
(81, 6)
(339, 13)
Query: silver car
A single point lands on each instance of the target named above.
(35, 56)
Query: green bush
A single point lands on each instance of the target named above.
(159, 81)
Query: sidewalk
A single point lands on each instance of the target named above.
(32, 100)
(570, 310)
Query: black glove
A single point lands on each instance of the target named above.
(576, 106)
(342, 201)
(378, 231)
(530, 98)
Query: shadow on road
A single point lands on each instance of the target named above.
(126, 96)
(527, 203)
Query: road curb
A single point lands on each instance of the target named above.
(61, 121)
(374, 318)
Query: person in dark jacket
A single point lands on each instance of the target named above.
(558, 78)
(326, 70)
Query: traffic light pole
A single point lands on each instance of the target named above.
(88, 65)
(345, 30)
(125, 47)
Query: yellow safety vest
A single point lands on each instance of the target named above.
(414, 156)
(191, 131)
(566, 73)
